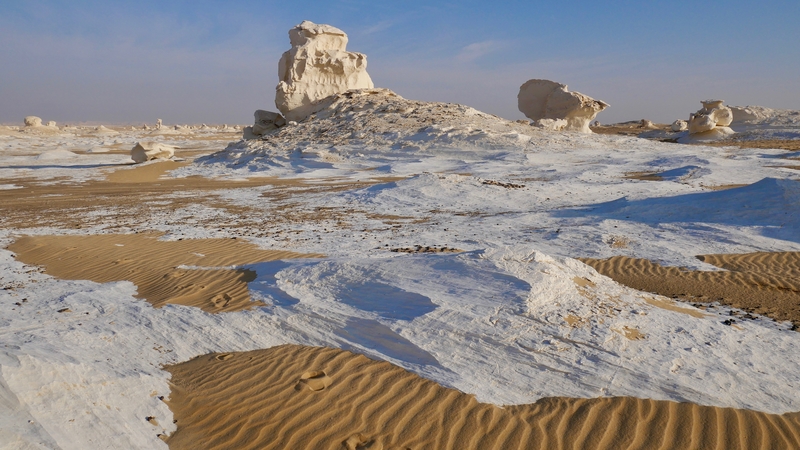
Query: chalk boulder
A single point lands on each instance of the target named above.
(679, 125)
(266, 121)
(647, 124)
(146, 151)
(51, 123)
(33, 121)
(709, 123)
(545, 99)
(317, 66)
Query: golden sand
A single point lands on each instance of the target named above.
(764, 283)
(153, 266)
(263, 400)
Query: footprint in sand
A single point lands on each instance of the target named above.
(361, 441)
(315, 380)
(224, 356)
(221, 300)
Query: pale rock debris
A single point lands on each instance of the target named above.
(317, 66)
(146, 151)
(545, 99)
(51, 123)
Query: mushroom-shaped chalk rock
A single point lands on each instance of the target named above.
(545, 99)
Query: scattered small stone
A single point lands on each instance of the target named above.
(421, 249)
(64, 310)
(501, 184)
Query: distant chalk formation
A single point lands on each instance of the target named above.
(34, 125)
(146, 151)
(32, 121)
(542, 100)
(710, 123)
(317, 66)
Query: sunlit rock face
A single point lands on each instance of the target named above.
(710, 123)
(545, 99)
(317, 66)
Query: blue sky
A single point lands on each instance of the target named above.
(216, 62)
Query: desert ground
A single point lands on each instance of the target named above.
(399, 274)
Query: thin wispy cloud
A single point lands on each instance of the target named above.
(476, 50)
(378, 27)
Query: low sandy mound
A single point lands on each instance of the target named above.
(379, 119)
(197, 272)
(306, 397)
(764, 283)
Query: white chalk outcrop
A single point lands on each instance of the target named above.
(317, 66)
(752, 114)
(710, 123)
(146, 151)
(545, 99)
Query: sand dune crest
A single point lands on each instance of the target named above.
(251, 402)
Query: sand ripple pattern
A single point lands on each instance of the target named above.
(153, 266)
(260, 400)
(766, 283)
